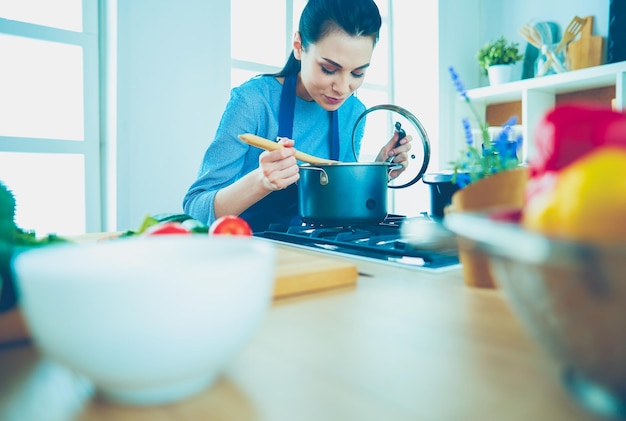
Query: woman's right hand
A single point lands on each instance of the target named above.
(279, 169)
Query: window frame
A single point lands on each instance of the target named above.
(90, 146)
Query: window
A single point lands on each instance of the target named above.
(49, 113)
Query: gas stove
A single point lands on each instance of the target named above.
(382, 242)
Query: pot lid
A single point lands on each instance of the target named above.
(375, 127)
(438, 177)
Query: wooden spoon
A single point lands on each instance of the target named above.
(530, 34)
(572, 29)
(268, 145)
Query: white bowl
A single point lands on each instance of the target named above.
(148, 319)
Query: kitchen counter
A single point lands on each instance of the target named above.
(401, 345)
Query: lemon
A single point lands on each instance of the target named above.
(587, 202)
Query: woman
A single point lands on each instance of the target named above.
(307, 105)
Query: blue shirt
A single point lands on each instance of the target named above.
(253, 108)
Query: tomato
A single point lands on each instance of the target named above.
(230, 225)
(167, 228)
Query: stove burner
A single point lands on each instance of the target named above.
(376, 241)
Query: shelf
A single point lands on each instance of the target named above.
(532, 98)
(576, 80)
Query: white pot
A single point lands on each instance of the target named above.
(500, 73)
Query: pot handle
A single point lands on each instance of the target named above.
(401, 135)
(323, 175)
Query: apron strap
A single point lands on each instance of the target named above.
(334, 136)
(287, 107)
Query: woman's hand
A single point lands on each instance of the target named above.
(279, 169)
(398, 150)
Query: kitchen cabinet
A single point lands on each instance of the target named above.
(530, 99)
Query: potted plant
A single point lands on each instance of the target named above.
(496, 59)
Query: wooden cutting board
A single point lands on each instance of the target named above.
(587, 50)
(301, 272)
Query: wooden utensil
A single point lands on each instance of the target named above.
(268, 145)
(586, 51)
(571, 31)
(534, 38)
(530, 34)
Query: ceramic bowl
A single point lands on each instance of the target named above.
(149, 320)
(571, 298)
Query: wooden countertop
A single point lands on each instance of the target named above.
(401, 345)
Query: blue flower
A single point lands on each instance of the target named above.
(492, 157)
(463, 179)
(469, 137)
(461, 90)
(457, 83)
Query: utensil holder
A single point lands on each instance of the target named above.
(558, 61)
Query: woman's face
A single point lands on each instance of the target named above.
(332, 68)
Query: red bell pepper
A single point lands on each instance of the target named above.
(570, 131)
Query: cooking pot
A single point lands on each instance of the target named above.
(347, 193)
(441, 190)
(352, 193)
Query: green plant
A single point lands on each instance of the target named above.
(7, 214)
(500, 51)
(10, 233)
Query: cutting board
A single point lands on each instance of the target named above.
(586, 51)
(300, 272)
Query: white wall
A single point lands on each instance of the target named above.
(459, 40)
(173, 81)
(466, 25)
(512, 14)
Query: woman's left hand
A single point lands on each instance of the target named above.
(398, 150)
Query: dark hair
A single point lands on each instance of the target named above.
(321, 17)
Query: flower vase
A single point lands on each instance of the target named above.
(500, 73)
(506, 189)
